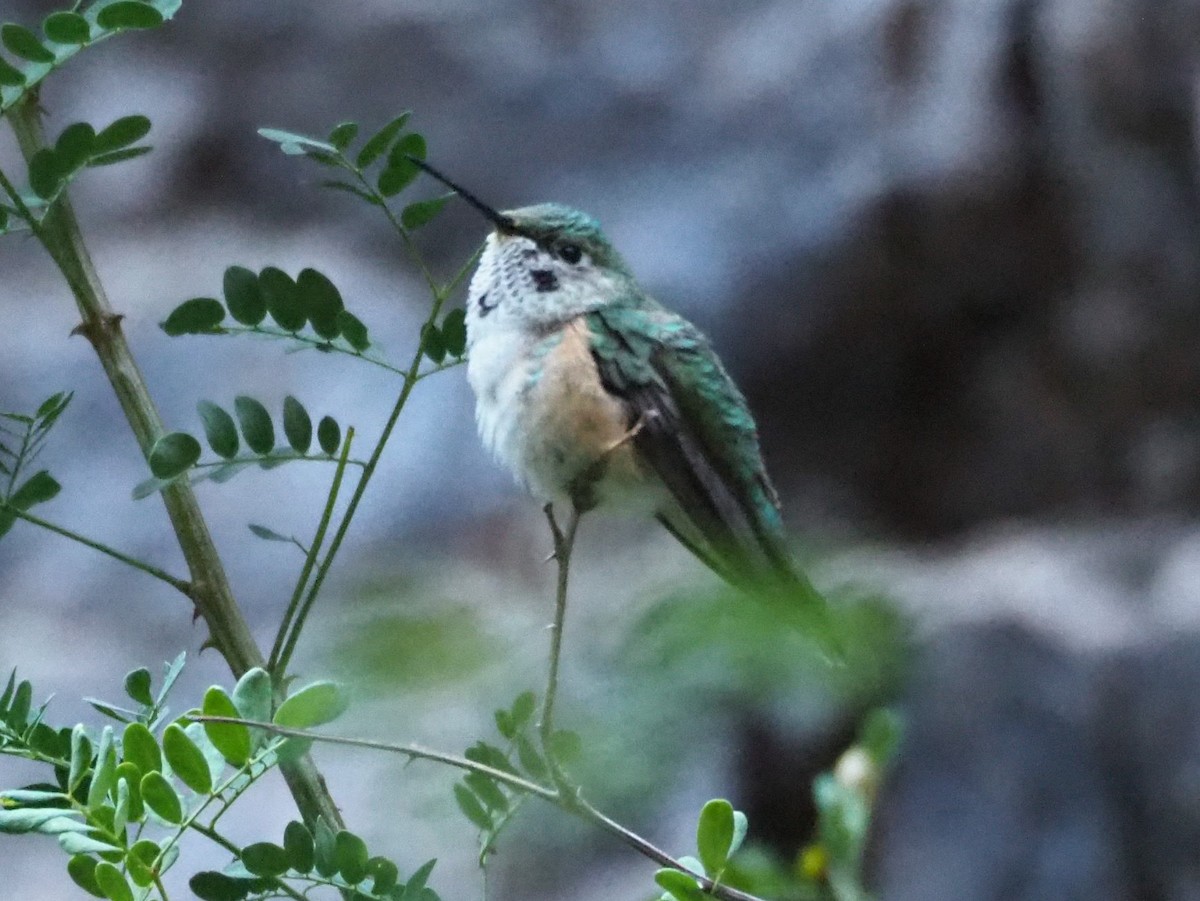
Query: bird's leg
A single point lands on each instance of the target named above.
(564, 542)
(582, 487)
(632, 432)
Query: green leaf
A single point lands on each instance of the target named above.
(432, 342)
(384, 875)
(297, 425)
(412, 144)
(49, 741)
(139, 748)
(81, 757)
(173, 454)
(122, 132)
(22, 42)
(244, 296)
(880, 734)
(490, 755)
(66, 28)
(530, 759)
(127, 772)
(396, 177)
(329, 435)
(265, 859)
(680, 885)
(77, 843)
(82, 870)
(454, 332)
(352, 329)
(186, 759)
(256, 424)
(231, 739)
(416, 882)
(74, 146)
(417, 214)
(213, 757)
(137, 686)
(18, 711)
(141, 860)
(714, 835)
(118, 156)
(209, 885)
(198, 316)
(45, 174)
(324, 849)
(37, 489)
(293, 143)
(219, 429)
(740, 827)
(343, 133)
(10, 76)
(283, 299)
(298, 844)
(566, 745)
(16, 797)
(104, 771)
(160, 796)
(171, 672)
(129, 14)
(504, 723)
(322, 302)
(109, 878)
(378, 143)
(313, 705)
(252, 697)
(20, 820)
(268, 534)
(471, 807)
(350, 854)
(488, 791)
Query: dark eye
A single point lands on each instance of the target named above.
(570, 253)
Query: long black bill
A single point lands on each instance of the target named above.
(502, 222)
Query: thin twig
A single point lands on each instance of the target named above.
(180, 585)
(564, 543)
(410, 382)
(310, 560)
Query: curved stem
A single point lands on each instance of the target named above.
(148, 568)
(573, 804)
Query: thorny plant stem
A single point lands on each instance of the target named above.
(564, 543)
(212, 594)
(572, 804)
(148, 568)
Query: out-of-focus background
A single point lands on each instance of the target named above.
(949, 248)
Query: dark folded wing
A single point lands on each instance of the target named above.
(696, 433)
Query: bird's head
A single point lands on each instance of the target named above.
(540, 266)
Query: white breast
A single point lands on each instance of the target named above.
(498, 370)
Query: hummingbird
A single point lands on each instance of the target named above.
(595, 395)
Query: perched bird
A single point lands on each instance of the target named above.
(594, 394)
